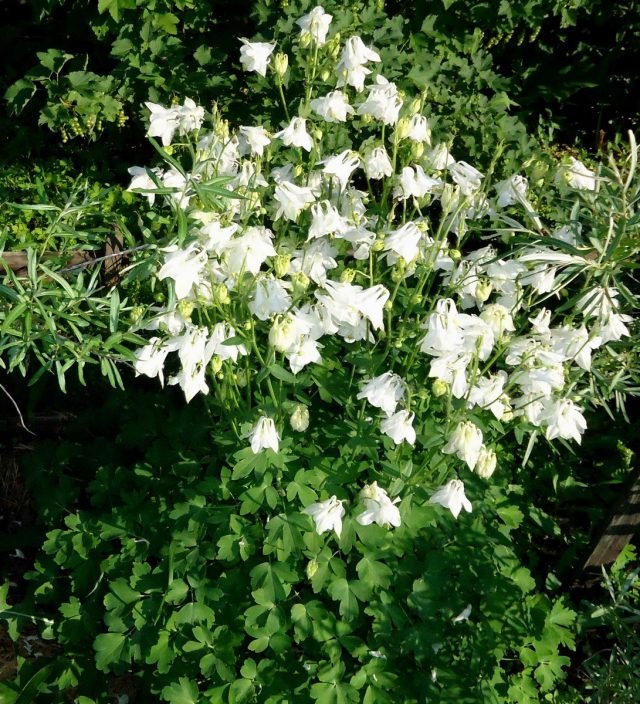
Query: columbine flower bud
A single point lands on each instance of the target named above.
(415, 106)
(300, 418)
(220, 294)
(215, 364)
(312, 568)
(300, 282)
(347, 276)
(305, 39)
(136, 313)
(455, 255)
(416, 299)
(298, 171)
(242, 378)
(483, 291)
(403, 128)
(317, 134)
(377, 246)
(281, 264)
(185, 308)
(325, 75)
(486, 464)
(440, 388)
(280, 64)
(283, 334)
(388, 306)
(417, 150)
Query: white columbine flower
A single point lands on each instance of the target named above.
(385, 392)
(183, 266)
(295, 134)
(564, 420)
(150, 358)
(327, 515)
(142, 181)
(351, 68)
(377, 163)
(399, 427)
(269, 298)
(255, 56)
(378, 507)
(341, 166)
(486, 464)
(334, 107)
(249, 251)
(452, 496)
(512, 190)
(292, 199)
(578, 176)
(253, 140)
(413, 182)
(465, 442)
(264, 435)
(419, 129)
(403, 242)
(466, 176)
(315, 24)
(383, 102)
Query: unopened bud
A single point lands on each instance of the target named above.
(483, 291)
(300, 282)
(417, 150)
(415, 106)
(440, 388)
(403, 128)
(486, 464)
(325, 75)
(377, 246)
(281, 265)
(300, 418)
(280, 64)
(242, 378)
(185, 308)
(136, 313)
(455, 255)
(317, 134)
(347, 276)
(215, 364)
(388, 306)
(305, 39)
(298, 171)
(220, 294)
(416, 299)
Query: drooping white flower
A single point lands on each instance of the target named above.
(419, 129)
(315, 24)
(563, 419)
(349, 305)
(150, 359)
(486, 464)
(163, 122)
(249, 252)
(295, 134)
(377, 164)
(444, 329)
(379, 508)
(575, 344)
(253, 140)
(142, 181)
(292, 199)
(269, 298)
(468, 178)
(403, 242)
(264, 435)
(333, 107)
(315, 260)
(452, 496)
(351, 68)
(383, 102)
(326, 220)
(399, 427)
(452, 369)
(183, 266)
(498, 318)
(220, 333)
(463, 615)
(488, 392)
(512, 190)
(255, 56)
(578, 176)
(465, 442)
(384, 391)
(414, 183)
(327, 515)
(341, 166)
(216, 237)
(439, 158)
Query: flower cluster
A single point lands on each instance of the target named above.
(370, 244)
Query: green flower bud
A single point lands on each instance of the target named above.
(416, 299)
(305, 40)
(220, 294)
(300, 283)
(417, 150)
(455, 254)
(281, 264)
(377, 246)
(483, 291)
(317, 134)
(300, 418)
(388, 306)
(280, 64)
(440, 388)
(136, 313)
(325, 75)
(403, 128)
(215, 364)
(185, 308)
(242, 378)
(347, 276)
